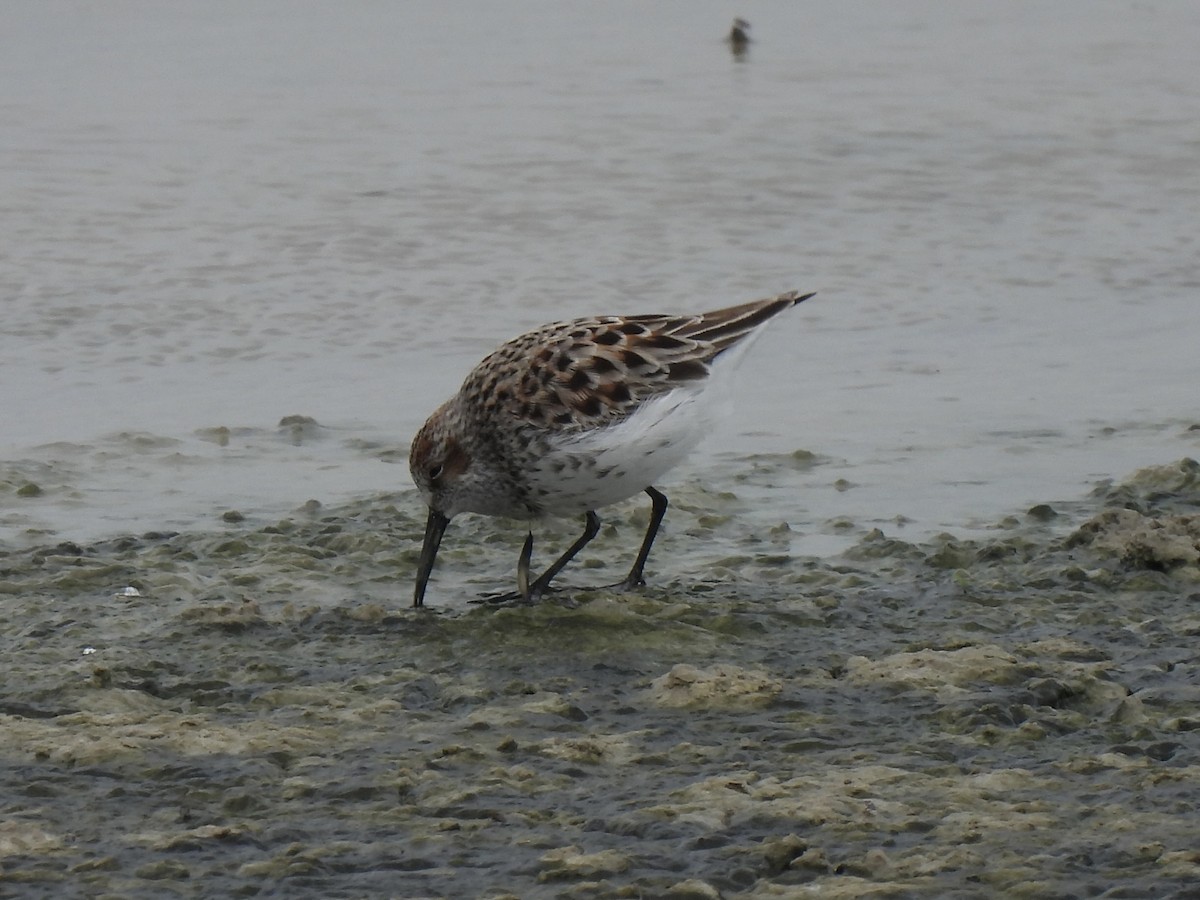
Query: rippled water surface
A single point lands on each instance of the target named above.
(222, 216)
(248, 248)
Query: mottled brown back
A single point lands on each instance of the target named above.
(589, 372)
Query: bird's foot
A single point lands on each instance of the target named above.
(516, 598)
(627, 585)
(536, 595)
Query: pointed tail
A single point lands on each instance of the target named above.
(725, 327)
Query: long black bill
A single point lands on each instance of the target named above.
(435, 527)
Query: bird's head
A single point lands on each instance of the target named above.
(441, 470)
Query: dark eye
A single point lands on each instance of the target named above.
(435, 472)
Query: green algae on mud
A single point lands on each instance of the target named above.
(255, 710)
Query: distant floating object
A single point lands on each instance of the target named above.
(739, 40)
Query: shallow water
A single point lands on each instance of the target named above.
(219, 217)
(248, 249)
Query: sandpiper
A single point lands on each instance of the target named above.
(574, 416)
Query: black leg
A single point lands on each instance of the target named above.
(635, 578)
(531, 593)
(591, 527)
(523, 567)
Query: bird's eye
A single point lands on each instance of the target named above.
(435, 472)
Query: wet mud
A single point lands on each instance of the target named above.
(253, 710)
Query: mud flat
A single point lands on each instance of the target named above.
(252, 710)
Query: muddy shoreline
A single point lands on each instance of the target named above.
(254, 711)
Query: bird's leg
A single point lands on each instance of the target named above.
(658, 509)
(523, 567)
(522, 594)
(591, 527)
(532, 593)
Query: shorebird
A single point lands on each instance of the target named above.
(574, 416)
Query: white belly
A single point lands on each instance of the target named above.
(591, 470)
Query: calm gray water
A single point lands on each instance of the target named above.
(218, 216)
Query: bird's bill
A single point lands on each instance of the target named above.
(435, 527)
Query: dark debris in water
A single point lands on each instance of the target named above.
(256, 712)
